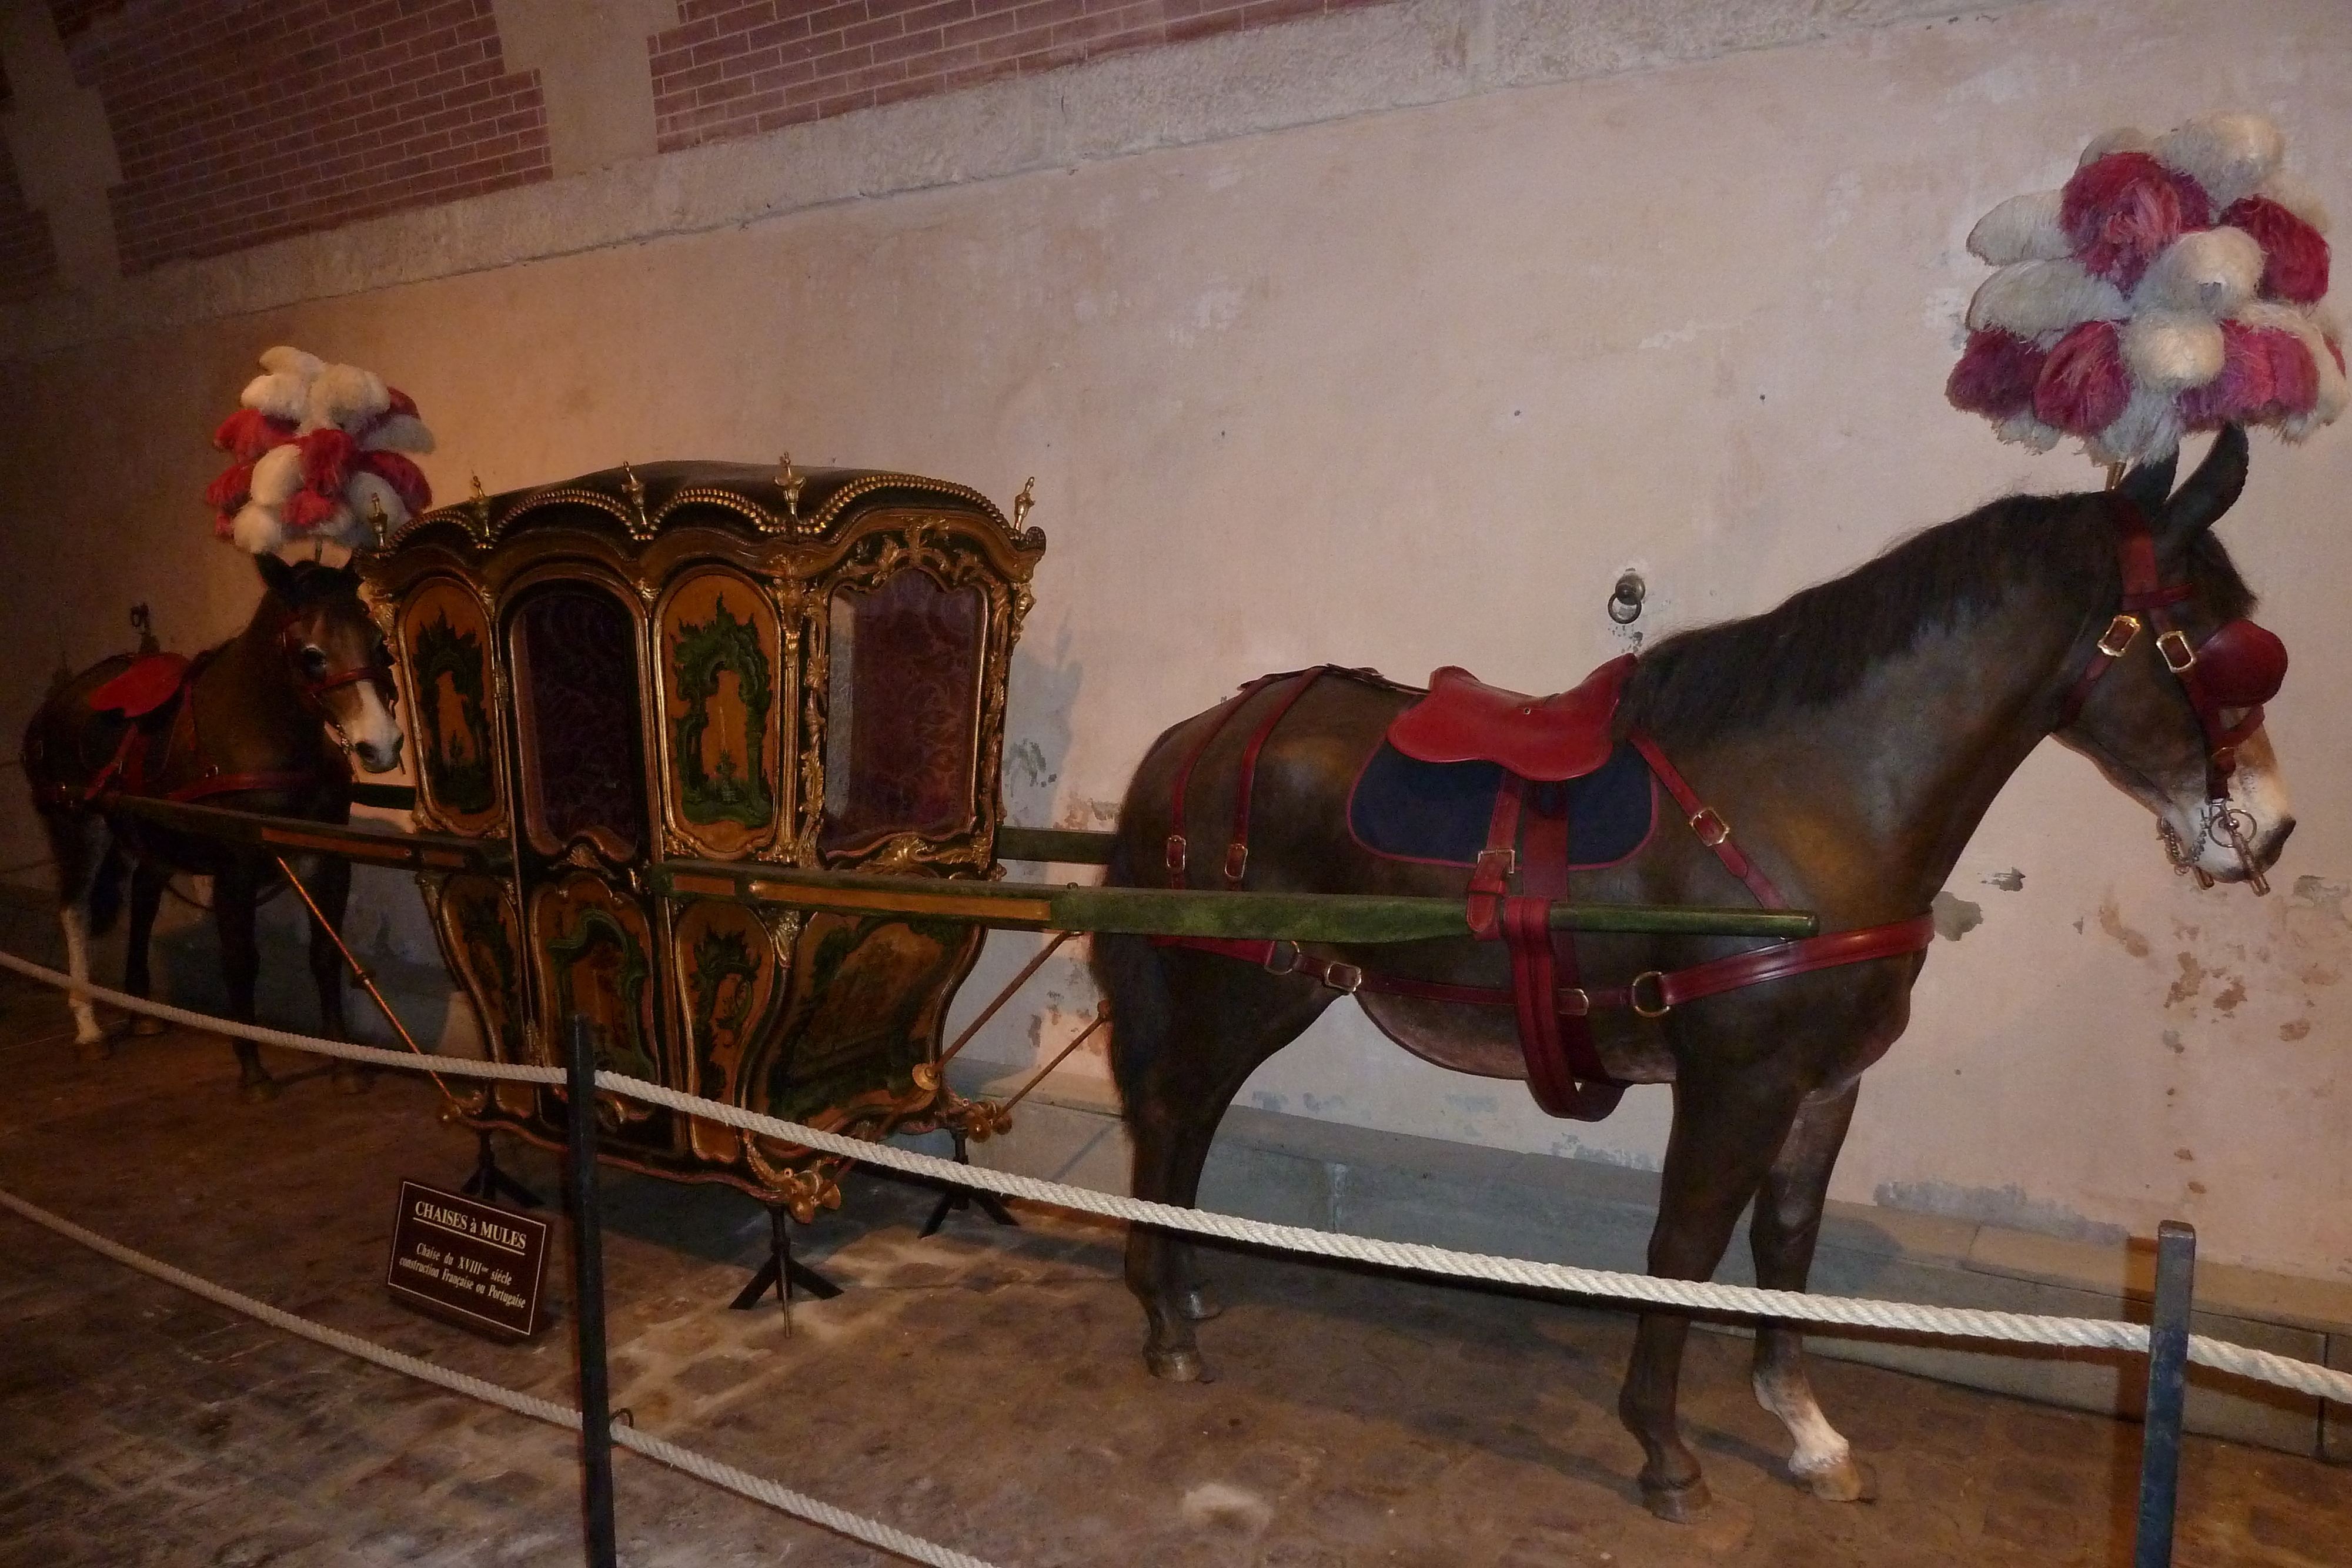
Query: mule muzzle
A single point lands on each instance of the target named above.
(374, 758)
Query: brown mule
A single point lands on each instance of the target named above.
(258, 723)
(1854, 737)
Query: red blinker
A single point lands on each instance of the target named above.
(2241, 665)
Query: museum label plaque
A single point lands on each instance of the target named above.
(468, 1263)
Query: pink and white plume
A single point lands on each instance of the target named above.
(317, 451)
(2174, 283)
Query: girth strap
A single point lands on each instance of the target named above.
(1564, 1073)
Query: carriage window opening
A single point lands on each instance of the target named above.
(902, 710)
(576, 678)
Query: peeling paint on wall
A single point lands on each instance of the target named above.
(1955, 918)
(2111, 921)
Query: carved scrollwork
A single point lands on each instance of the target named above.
(802, 1191)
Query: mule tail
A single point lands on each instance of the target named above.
(1128, 970)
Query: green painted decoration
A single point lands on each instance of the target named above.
(731, 788)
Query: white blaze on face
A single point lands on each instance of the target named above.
(373, 732)
(2258, 807)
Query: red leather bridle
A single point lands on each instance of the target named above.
(2241, 666)
(311, 691)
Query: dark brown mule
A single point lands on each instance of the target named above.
(259, 725)
(1855, 738)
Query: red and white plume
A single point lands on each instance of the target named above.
(315, 452)
(2173, 284)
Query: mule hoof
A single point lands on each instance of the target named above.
(92, 1049)
(351, 1079)
(146, 1027)
(1197, 1305)
(1848, 1480)
(1676, 1505)
(1174, 1365)
(259, 1092)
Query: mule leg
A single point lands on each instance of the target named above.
(1782, 1234)
(147, 880)
(75, 857)
(1725, 1135)
(330, 884)
(234, 892)
(90, 1039)
(1181, 1052)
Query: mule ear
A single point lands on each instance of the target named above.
(2148, 484)
(275, 575)
(2198, 504)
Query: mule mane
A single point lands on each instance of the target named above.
(1819, 643)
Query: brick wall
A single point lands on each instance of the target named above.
(28, 258)
(242, 121)
(738, 67)
(73, 16)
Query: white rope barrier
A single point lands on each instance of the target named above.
(759, 1489)
(1746, 1300)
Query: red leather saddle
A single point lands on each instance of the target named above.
(1546, 740)
(152, 680)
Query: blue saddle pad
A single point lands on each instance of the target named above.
(1438, 811)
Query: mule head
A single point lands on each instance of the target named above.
(2176, 721)
(336, 658)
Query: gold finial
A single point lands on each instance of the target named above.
(480, 505)
(1023, 501)
(2114, 475)
(378, 524)
(789, 479)
(635, 489)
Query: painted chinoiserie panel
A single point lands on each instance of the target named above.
(481, 935)
(723, 792)
(729, 973)
(445, 634)
(593, 952)
(644, 671)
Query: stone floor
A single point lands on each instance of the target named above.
(981, 1388)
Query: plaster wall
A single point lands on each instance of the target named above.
(1412, 387)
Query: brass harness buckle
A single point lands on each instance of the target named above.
(1175, 851)
(1708, 824)
(2178, 656)
(2119, 634)
(1634, 994)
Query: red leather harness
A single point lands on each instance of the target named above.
(1565, 1071)
(2241, 665)
(158, 679)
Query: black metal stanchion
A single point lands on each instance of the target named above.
(488, 1183)
(588, 1302)
(2167, 1388)
(955, 1198)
